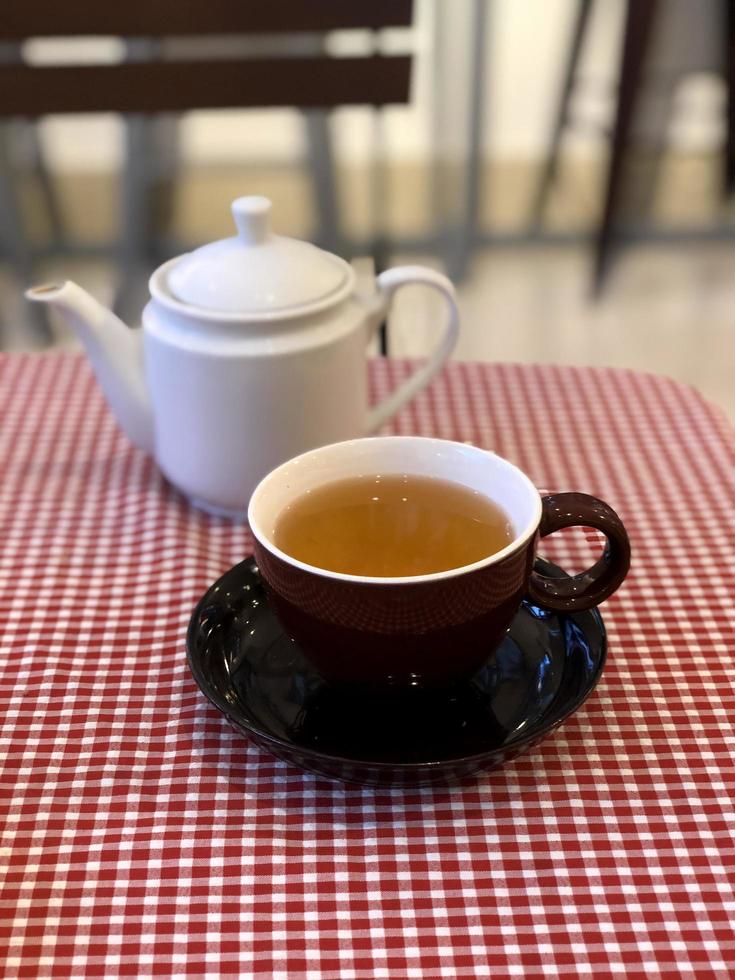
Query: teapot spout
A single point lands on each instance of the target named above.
(115, 352)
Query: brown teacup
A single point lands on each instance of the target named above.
(435, 628)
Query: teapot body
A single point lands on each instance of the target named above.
(232, 401)
(253, 351)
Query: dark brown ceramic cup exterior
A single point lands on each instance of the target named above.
(436, 631)
(375, 634)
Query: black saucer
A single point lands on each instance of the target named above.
(249, 668)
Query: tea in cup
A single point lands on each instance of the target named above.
(403, 560)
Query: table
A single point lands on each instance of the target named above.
(144, 837)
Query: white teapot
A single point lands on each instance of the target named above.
(252, 350)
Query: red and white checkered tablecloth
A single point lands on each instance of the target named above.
(143, 837)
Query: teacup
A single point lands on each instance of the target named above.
(424, 629)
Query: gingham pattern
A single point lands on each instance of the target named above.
(144, 837)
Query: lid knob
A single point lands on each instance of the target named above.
(257, 273)
(252, 217)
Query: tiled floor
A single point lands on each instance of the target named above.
(669, 310)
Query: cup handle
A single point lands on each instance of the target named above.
(388, 283)
(592, 587)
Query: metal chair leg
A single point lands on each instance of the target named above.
(46, 186)
(638, 21)
(13, 240)
(135, 212)
(456, 196)
(551, 163)
(729, 163)
(321, 160)
(473, 180)
(379, 249)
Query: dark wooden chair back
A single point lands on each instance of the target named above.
(151, 86)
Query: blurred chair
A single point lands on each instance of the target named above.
(150, 83)
(636, 34)
(660, 43)
(729, 35)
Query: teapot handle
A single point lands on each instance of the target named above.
(388, 283)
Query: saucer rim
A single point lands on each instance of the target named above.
(542, 728)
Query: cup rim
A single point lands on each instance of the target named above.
(512, 547)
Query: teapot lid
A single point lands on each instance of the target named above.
(256, 272)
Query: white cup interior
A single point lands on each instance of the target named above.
(469, 466)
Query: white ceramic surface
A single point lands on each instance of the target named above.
(477, 469)
(274, 366)
(255, 271)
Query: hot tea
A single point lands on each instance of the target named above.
(392, 525)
